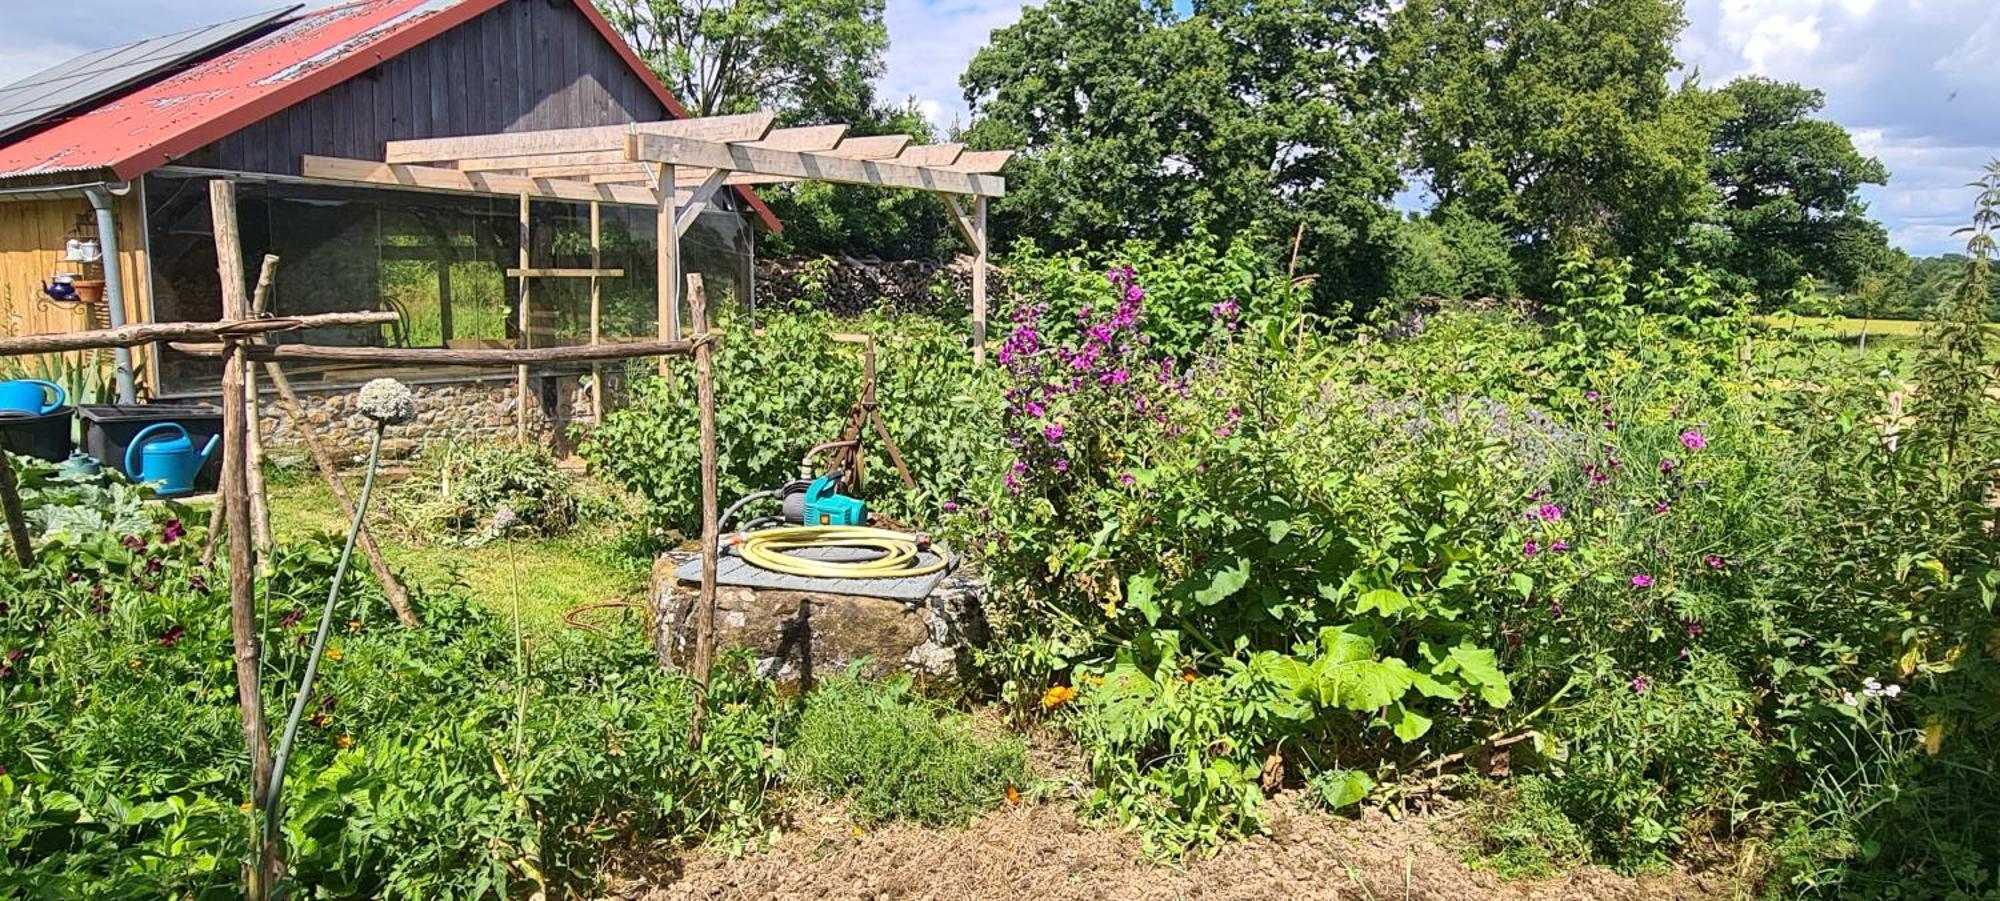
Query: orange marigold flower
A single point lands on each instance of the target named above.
(335, 653)
(1095, 680)
(345, 741)
(1013, 796)
(353, 625)
(1189, 677)
(1056, 696)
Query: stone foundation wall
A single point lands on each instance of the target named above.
(798, 636)
(455, 411)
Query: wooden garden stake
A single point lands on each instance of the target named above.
(236, 520)
(260, 503)
(704, 634)
(17, 522)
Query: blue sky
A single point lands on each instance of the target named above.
(1917, 81)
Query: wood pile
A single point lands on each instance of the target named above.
(848, 286)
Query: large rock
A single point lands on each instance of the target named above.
(799, 636)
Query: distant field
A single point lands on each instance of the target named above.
(1845, 326)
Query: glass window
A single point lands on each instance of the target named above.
(440, 260)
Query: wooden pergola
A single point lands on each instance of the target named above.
(677, 167)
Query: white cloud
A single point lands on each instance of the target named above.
(930, 42)
(1914, 80)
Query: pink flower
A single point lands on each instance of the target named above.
(1642, 580)
(1641, 684)
(1660, 507)
(1667, 465)
(1693, 440)
(1548, 513)
(173, 532)
(1222, 431)
(1590, 396)
(1126, 479)
(1559, 546)
(1053, 432)
(1715, 562)
(1530, 549)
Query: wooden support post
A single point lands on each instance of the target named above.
(668, 262)
(979, 282)
(704, 377)
(17, 521)
(596, 308)
(235, 492)
(521, 371)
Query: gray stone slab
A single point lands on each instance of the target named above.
(731, 569)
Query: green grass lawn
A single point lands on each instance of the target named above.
(547, 576)
(1848, 327)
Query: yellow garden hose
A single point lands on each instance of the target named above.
(898, 557)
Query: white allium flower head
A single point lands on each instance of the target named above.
(387, 401)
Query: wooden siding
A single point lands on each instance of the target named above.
(523, 66)
(32, 235)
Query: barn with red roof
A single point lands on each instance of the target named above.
(105, 162)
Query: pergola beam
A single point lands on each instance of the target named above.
(814, 166)
(744, 127)
(433, 178)
(696, 203)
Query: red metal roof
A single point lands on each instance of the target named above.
(136, 132)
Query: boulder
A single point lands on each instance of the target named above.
(798, 636)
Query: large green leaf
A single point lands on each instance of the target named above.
(1140, 595)
(1224, 582)
(1408, 724)
(1481, 667)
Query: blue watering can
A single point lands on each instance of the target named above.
(170, 462)
(28, 396)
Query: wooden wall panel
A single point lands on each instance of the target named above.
(32, 235)
(523, 66)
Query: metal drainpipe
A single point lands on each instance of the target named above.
(114, 282)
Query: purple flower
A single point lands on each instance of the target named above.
(1641, 684)
(1547, 513)
(1222, 431)
(172, 635)
(1558, 546)
(1610, 426)
(1225, 310)
(173, 532)
(1642, 580)
(1693, 440)
(1062, 465)
(1590, 396)
(1667, 465)
(1126, 479)
(1692, 627)
(1053, 432)
(1715, 562)
(1530, 549)
(951, 506)
(1660, 507)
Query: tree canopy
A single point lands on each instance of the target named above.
(1788, 185)
(1137, 122)
(806, 59)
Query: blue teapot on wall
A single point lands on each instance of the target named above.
(169, 461)
(31, 396)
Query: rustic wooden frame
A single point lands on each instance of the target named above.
(678, 166)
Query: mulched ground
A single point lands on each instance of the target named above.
(1041, 851)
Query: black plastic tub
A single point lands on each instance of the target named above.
(108, 430)
(48, 436)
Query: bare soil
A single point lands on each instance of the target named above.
(1042, 851)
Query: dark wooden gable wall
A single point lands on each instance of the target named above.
(524, 65)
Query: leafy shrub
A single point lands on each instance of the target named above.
(897, 756)
(460, 494)
(789, 388)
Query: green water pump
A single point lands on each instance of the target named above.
(820, 503)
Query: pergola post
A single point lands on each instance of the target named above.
(596, 308)
(669, 260)
(521, 371)
(979, 282)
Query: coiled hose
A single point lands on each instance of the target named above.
(899, 555)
